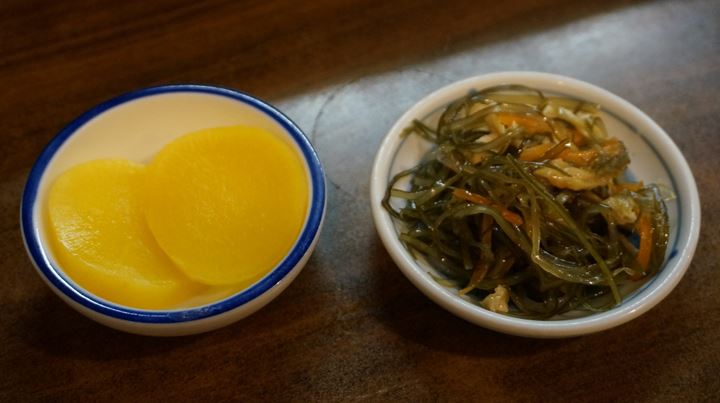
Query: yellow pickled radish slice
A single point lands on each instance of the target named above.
(102, 240)
(226, 204)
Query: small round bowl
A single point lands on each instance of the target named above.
(655, 159)
(136, 126)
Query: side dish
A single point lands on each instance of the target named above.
(211, 214)
(523, 206)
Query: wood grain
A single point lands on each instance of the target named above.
(351, 327)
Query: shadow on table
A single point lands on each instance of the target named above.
(52, 326)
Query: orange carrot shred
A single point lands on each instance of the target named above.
(631, 186)
(482, 200)
(534, 153)
(579, 157)
(578, 139)
(530, 123)
(645, 230)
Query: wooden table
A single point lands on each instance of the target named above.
(351, 327)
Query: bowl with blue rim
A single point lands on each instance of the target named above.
(135, 126)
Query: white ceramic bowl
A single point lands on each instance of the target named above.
(136, 126)
(655, 159)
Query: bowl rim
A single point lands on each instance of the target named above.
(310, 230)
(651, 293)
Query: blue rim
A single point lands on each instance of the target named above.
(52, 274)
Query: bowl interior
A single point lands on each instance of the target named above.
(136, 127)
(654, 159)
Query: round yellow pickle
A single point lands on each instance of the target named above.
(102, 241)
(226, 204)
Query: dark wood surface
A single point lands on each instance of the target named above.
(351, 327)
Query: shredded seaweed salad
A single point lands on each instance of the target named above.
(521, 205)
